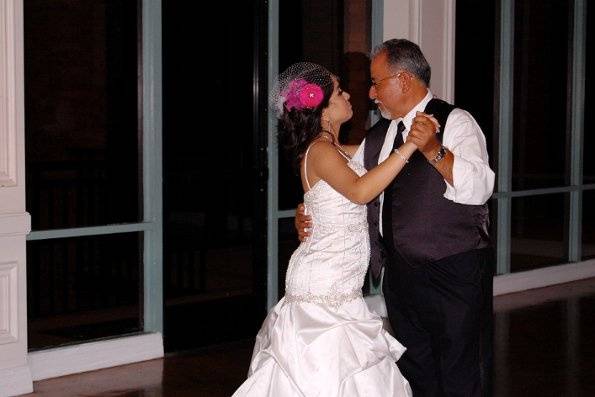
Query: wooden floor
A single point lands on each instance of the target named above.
(544, 346)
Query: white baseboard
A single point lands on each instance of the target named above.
(539, 278)
(15, 381)
(91, 356)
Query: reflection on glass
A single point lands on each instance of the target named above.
(588, 224)
(541, 59)
(335, 34)
(537, 231)
(83, 288)
(474, 80)
(288, 242)
(82, 146)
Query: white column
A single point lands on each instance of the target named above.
(15, 377)
(430, 24)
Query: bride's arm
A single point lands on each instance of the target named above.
(324, 162)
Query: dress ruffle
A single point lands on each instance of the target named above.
(310, 349)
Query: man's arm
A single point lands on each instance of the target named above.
(465, 166)
(473, 179)
(442, 161)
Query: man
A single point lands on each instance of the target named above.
(428, 230)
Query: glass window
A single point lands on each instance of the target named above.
(541, 61)
(588, 224)
(81, 128)
(542, 64)
(537, 231)
(82, 168)
(83, 288)
(474, 59)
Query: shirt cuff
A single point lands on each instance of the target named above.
(473, 183)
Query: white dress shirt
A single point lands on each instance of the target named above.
(472, 176)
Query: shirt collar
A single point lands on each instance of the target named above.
(420, 107)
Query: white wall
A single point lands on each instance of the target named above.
(15, 377)
(430, 24)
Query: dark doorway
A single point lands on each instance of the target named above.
(214, 152)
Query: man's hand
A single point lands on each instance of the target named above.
(423, 134)
(302, 222)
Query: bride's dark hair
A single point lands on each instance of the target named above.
(303, 91)
(298, 128)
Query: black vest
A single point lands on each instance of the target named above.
(426, 227)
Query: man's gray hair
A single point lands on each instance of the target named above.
(406, 55)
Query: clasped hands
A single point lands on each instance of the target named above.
(423, 134)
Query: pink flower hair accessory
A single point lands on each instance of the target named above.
(301, 86)
(301, 94)
(311, 95)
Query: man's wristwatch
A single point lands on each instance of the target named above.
(440, 155)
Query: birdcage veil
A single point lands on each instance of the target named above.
(300, 86)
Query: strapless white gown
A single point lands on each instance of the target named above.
(321, 339)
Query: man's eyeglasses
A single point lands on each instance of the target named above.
(376, 83)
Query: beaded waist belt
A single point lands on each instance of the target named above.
(335, 299)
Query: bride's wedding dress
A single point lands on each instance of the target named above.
(321, 339)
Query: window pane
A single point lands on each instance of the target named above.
(335, 34)
(588, 224)
(474, 74)
(83, 288)
(589, 135)
(82, 145)
(541, 58)
(537, 231)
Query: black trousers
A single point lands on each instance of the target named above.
(442, 313)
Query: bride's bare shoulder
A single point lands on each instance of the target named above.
(320, 147)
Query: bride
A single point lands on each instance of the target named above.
(321, 339)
